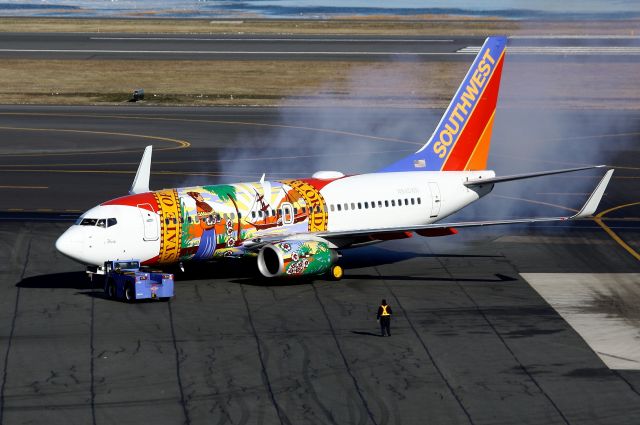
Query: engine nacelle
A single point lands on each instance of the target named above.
(296, 258)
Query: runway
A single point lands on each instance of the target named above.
(472, 343)
(287, 47)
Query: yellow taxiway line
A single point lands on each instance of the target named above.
(180, 144)
(598, 219)
(614, 236)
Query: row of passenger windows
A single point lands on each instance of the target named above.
(232, 216)
(333, 207)
(375, 204)
(110, 222)
(100, 222)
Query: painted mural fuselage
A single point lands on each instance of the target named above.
(204, 222)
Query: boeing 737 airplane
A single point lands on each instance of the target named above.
(296, 227)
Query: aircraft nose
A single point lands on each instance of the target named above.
(69, 244)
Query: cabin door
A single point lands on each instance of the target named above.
(149, 222)
(435, 199)
(287, 213)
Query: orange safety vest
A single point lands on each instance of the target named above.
(384, 310)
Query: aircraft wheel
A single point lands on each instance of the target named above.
(336, 272)
(129, 294)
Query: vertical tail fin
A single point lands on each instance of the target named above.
(461, 139)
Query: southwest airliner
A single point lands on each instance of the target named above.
(296, 227)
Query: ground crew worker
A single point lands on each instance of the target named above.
(384, 317)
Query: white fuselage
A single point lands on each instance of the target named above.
(176, 225)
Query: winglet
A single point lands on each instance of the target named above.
(594, 200)
(141, 182)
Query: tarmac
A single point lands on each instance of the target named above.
(472, 342)
(101, 46)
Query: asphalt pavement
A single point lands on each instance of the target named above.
(310, 47)
(472, 342)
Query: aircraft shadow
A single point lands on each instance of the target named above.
(375, 256)
(245, 271)
(498, 278)
(72, 280)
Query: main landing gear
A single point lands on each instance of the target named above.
(336, 272)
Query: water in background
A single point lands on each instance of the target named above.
(211, 9)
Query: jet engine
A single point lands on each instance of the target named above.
(296, 258)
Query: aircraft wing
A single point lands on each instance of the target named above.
(588, 209)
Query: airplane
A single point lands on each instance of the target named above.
(297, 227)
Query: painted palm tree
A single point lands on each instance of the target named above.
(226, 193)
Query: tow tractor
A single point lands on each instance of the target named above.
(126, 280)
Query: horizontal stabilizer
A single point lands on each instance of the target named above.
(141, 181)
(481, 182)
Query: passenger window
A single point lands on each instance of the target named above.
(102, 223)
(386, 204)
(346, 207)
(366, 205)
(373, 204)
(331, 207)
(166, 221)
(399, 202)
(418, 201)
(111, 222)
(393, 203)
(339, 207)
(379, 204)
(189, 218)
(353, 206)
(413, 201)
(406, 201)
(295, 211)
(359, 206)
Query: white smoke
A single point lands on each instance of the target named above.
(352, 139)
(556, 112)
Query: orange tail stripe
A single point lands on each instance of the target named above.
(476, 124)
(478, 160)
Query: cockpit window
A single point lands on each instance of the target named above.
(100, 222)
